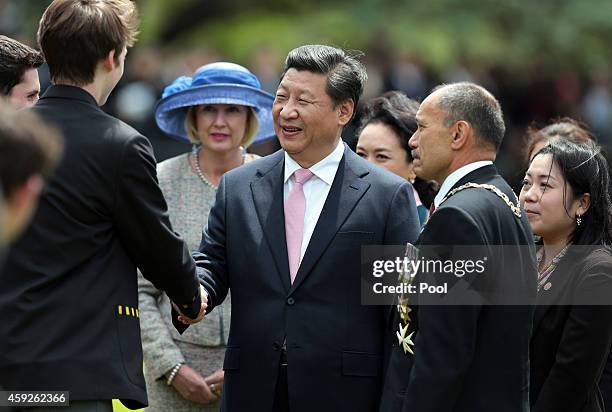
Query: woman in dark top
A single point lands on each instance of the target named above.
(566, 197)
(386, 125)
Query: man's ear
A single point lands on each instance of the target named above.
(461, 132)
(346, 108)
(108, 62)
(26, 194)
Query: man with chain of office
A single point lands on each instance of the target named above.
(473, 354)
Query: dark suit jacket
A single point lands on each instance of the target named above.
(571, 344)
(336, 345)
(605, 384)
(68, 301)
(471, 358)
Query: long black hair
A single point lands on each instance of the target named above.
(585, 170)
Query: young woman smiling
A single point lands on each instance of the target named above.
(566, 197)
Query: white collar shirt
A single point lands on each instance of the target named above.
(457, 175)
(316, 189)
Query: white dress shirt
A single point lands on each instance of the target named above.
(457, 175)
(316, 188)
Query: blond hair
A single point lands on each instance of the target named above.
(249, 133)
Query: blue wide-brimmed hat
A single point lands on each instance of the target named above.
(215, 83)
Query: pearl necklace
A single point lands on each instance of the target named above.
(196, 166)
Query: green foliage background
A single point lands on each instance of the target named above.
(558, 34)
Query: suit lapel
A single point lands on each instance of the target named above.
(268, 197)
(347, 188)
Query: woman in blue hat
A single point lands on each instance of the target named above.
(221, 110)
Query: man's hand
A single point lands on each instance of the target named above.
(192, 386)
(189, 321)
(215, 381)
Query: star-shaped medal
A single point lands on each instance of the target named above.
(405, 341)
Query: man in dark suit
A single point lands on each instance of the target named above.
(29, 151)
(285, 236)
(471, 357)
(68, 301)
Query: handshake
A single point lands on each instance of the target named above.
(181, 318)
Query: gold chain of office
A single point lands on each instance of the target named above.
(516, 209)
(405, 340)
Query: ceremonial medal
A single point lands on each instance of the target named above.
(403, 340)
(403, 337)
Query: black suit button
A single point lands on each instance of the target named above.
(276, 346)
(290, 301)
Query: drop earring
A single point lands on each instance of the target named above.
(578, 220)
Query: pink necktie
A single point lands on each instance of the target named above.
(295, 207)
